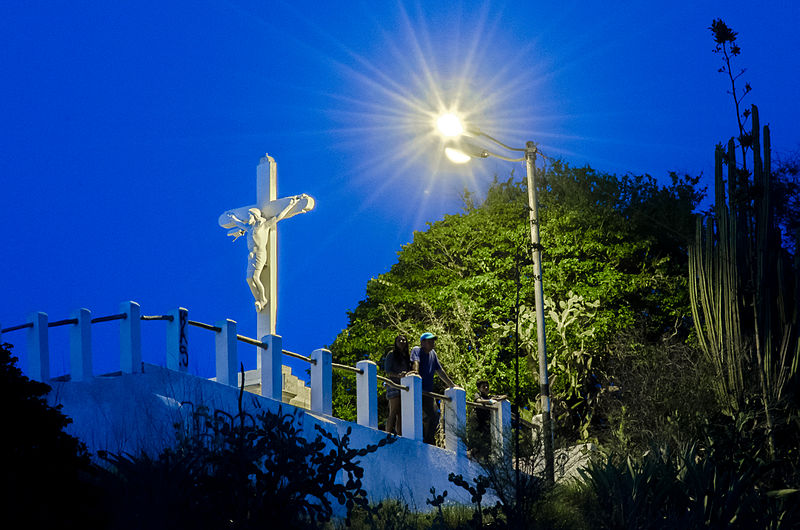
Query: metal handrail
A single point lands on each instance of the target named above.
(62, 322)
(203, 325)
(516, 417)
(436, 396)
(254, 342)
(120, 316)
(392, 383)
(157, 317)
(15, 328)
(264, 346)
(347, 368)
(480, 405)
(299, 356)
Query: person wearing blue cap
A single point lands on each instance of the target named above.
(425, 362)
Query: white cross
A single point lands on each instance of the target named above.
(259, 223)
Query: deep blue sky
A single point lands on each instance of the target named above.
(129, 126)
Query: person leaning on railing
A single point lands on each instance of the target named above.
(480, 435)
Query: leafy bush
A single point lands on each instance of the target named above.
(697, 487)
(653, 392)
(394, 515)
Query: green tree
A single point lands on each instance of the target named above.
(620, 241)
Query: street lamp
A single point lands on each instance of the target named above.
(460, 151)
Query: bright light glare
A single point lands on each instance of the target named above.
(456, 156)
(397, 97)
(449, 125)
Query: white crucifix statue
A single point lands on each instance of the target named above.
(259, 223)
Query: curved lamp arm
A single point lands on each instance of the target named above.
(473, 151)
(476, 132)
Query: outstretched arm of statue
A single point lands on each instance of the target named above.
(292, 202)
(238, 222)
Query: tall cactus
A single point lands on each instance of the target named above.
(744, 289)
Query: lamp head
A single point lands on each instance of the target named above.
(456, 156)
(449, 125)
(462, 151)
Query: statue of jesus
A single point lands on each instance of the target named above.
(257, 227)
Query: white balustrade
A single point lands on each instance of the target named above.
(177, 340)
(501, 428)
(130, 338)
(80, 346)
(455, 420)
(38, 348)
(269, 363)
(227, 357)
(367, 394)
(411, 407)
(322, 381)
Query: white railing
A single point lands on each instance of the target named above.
(269, 362)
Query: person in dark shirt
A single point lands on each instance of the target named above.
(396, 365)
(425, 362)
(480, 432)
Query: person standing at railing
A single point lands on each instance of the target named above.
(425, 362)
(396, 365)
(480, 434)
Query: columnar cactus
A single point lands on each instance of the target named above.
(743, 286)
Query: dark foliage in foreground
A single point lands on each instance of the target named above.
(239, 472)
(700, 486)
(45, 471)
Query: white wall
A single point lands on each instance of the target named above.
(137, 412)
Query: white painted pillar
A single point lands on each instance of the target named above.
(130, 338)
(269, 363)
(455, 420)
(501, 428)
(411, 407)
(38, 348)
(177, 341)
(367, 394)
(226, 352)
(322, 382)
(80, 346)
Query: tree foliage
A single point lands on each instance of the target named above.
(616, 245)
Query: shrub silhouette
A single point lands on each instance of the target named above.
(46, 476)
(239, 472)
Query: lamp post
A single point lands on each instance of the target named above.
(461, 151)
